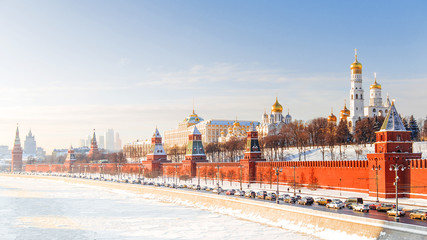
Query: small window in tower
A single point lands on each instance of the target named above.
(374, 110)
(351, 96)
(398, 137)
(361, 96)
(357, 96)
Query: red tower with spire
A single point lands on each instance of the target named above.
(94, 151)
(16, 154)
(252, 155)
(393, 146)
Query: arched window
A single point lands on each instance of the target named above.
(357, 96)
(361, 96)
(374, 110)
(351, 96)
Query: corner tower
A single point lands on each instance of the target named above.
(356, 92)
(393, 146)
(16, 154)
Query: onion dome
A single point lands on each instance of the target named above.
(345, 113)
(332, 118)
(375, 85)
(276, 107)
(356, 64)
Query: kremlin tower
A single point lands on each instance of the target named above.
(93, 152)
(393, 146)
(70, 159)
(195, 152)
(157, 152)
(356, 93)
(16, 154)
(252, 155)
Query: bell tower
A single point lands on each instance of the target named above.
(356, 92)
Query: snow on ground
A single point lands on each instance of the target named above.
(45, 209)
(348, 152)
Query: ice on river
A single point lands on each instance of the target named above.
(46, 209)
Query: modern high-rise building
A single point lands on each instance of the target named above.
(109, 140)
(101, 142)
(118, 142)
(30, 145)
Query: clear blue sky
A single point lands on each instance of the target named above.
(67, 67)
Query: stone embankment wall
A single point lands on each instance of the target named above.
(314, 222)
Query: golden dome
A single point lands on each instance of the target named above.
(276, 107)
(356, 64)
(345, 113)
(375, 85)
(237, 124)
(332, 118)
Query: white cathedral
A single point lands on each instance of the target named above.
(358, 110)
(273, 123)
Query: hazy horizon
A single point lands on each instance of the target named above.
(69, 67)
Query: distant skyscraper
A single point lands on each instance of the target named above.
(118, 142)
(82, 143)
(109, 140)
(30, 145)
(101, 142)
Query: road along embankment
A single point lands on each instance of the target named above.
(327, 225)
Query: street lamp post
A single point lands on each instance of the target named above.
(340, 186)
(218, 167)
(176, 175)
(80, 171)
(120, 171)
(143, 173)
(198, 175)
(85, 171)
(100, 171)
(376, 168)
(396, 167)
(278, 171)
(50, 169)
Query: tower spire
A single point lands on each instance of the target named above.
(375, 77)
(355, 54)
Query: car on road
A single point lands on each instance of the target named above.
(361, 208)
(322, 201)
(290, 199)
(384, 207)
(239, 193)
(250, 194)
(392, 212)
(352, 201)
(283, 196)
(373, 206)
(217, 190)
(270, 196)
(421, 214)
(336, 203)
(306, 201)
(261, 194)
(230, 192)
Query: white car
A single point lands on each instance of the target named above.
(392, 212)
(335, 204)
(361, 208)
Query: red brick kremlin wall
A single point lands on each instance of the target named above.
(344, 175)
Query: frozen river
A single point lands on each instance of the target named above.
(46, 209)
